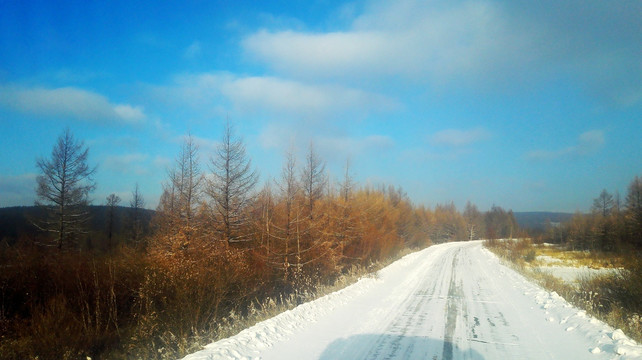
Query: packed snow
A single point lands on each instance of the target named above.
(449, 301)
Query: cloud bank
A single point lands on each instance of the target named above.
(68, 102)
(483, 44)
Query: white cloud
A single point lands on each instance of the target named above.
(484, 44)
(458, 138)
(409, 38)
(130, 113)
(276, 96)
(588, 143)
(68, 102)
(293, 97)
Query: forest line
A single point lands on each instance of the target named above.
(217, 247)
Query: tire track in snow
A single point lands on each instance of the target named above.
(396, 342)
(454, 293)
(451, 301)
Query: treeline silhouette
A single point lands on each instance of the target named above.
(215, 250)
(17, 228)
(614, 224)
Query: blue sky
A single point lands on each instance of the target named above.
(527, 105)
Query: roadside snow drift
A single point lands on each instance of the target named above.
(450, 301)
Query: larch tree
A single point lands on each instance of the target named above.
(175, 216)
(346, 227)
(63, 189)
(112, 201)
(313, 179)
(266, 206)
(188, 181)
(634, 210)
(136, 206)
(231, 186)
(347, 184)
(474, 221)
(603, 207)
(289, 187)
(603, 204)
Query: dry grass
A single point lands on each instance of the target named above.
(590, 259)
(270, 307)
(613, 298)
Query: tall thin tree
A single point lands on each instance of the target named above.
(634, 210)
(603, 204)
(187, 179)
(231, 186)
(112, 201)
(63, 189)
(136, 205)
(313, 179)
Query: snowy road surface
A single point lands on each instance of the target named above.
(450, 301)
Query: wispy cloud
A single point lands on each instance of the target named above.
(459, 138)
(68, 102)
(342, 147)
(17, 190)
(332, 147)
(127, 164)
(588, 143)
(161, 162)
(206, 146)
(273, 95)
(193, 51)
(422, 154)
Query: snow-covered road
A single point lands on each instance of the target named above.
(450, 301)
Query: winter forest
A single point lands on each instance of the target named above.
(221, 244)
(326, 180)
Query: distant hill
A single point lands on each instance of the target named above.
(15, 221)
(538, 220)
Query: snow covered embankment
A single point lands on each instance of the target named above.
(449, 301)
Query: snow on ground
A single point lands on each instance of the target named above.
(450, 301)
(570, 274)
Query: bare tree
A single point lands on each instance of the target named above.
(348, 183)
(231, 186)
(289, 187)
(136, 205)
(266, 203)
(313, 179)
(603, 204)
(112, 201)
(634, 210)
(187, 180)
(474, 221)
(64, 187)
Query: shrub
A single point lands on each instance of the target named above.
(530, 255)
